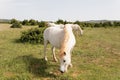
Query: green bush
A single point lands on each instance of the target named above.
(16, 25)
(13, 21)
(42, 24)
(34, 35)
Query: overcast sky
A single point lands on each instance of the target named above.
(52, 10)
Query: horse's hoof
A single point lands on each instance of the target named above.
(46, 59)
(55, 60)
(70, 65)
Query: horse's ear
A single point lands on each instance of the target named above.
(64, 53)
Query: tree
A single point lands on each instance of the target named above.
(116, 23)
(60, 21)
(107, 24)
(77, 22)
(32, 22)
(90, 25)
(13, 21)
(25, 22)
(65, 22)
(98, 25)
(81, 24)
(42, 24)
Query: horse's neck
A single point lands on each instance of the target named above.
(64, 45)
(68, 29)
(66, 35)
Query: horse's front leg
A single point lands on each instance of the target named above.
(70, 65)
(45, 46)
(54, 56)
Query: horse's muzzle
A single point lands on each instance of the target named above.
(62, 71)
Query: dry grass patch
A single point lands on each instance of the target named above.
(4, 27)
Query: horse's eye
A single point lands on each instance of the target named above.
(64, 61)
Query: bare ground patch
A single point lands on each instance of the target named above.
(4, 27)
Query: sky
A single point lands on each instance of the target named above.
(52, 10)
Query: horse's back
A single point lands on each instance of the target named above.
(54, 35)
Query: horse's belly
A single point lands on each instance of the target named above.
(56, 41)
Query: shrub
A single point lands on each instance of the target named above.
(34, 35)
(42, 24)
(25, 22)
(16, 25)
(33, 22)
(13, 21)
(60, 21)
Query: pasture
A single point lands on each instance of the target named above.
(96, 56)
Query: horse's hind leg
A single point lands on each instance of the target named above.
(54, 56)
(45, 46)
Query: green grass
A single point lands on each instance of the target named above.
(96, 56)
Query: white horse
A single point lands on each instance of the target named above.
(75, 27)
(63, 39)
(55, 25)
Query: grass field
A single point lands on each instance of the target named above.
(96, 56)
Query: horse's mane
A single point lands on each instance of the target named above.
(65, 40)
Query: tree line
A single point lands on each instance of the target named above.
(33, 22)
(35, 35)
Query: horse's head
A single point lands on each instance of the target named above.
(50, 24)
(65, 61)
(66, 48)
(76, 27)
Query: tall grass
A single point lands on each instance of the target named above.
(95, 57)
